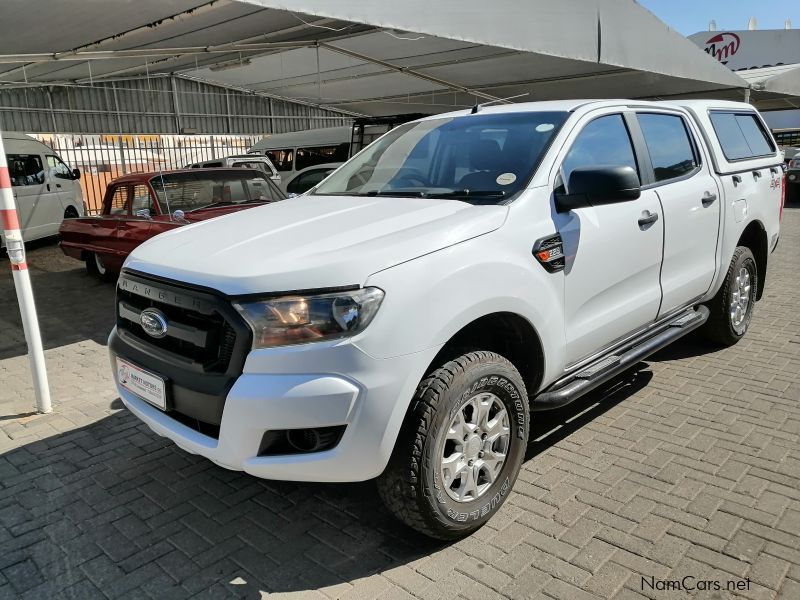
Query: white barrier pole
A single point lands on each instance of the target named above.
(22, 282)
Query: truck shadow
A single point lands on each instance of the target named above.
(111, 506)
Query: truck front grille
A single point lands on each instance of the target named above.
(199, 348)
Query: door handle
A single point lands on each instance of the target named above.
(737, 180)
(774, 170)
(708, 199)
(48, 187)
(756, 174)
(648, 218)
(58, 185)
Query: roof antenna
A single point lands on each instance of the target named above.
(478, 107)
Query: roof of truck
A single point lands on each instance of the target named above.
(571, 105)
(144, 177)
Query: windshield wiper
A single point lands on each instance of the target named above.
(470, 194)
(400, 194)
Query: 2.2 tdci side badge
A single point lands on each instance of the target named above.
(154, 322)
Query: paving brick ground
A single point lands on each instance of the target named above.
(688, 468)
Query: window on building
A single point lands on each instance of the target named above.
(668, 142)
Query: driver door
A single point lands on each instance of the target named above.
(613, 255)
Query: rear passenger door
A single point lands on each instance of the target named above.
(690, 200)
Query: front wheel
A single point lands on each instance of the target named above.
(95, 265)
(732, 308)
(461, 449)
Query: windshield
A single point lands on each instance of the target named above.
(191, 191)
(481, 158)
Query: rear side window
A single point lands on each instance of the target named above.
(25, 169)
(282, 159)
(308, 157)
(669, 145)
(741, 135)
(118, 203)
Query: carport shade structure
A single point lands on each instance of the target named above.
(369, 58)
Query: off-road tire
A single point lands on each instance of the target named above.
(408, 486)
(719, 328)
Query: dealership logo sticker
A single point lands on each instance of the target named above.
(723, 46)
(124, 374)
(506, 179)
(153, 322)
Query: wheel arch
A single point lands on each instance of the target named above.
(754, 237)
(506, 333)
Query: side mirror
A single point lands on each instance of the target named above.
(593, 186)
(76, 173)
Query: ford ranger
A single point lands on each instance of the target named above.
(405, 318)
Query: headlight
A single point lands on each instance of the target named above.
(299, 319)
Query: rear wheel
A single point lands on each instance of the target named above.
(461, 449)
(97, 267)
(70, 213)
(732, 308)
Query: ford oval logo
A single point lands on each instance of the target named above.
(153, 322)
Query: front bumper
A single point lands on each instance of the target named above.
(304, 386)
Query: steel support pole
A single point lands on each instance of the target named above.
(22, 282)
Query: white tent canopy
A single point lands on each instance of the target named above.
(376, 57)
(774, 87)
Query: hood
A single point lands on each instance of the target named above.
(310, 242)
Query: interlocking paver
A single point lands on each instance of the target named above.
(690, 467)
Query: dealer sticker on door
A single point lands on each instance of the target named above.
(146, 385)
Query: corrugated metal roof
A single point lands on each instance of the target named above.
(376, 57)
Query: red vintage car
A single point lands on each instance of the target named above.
(139, 206)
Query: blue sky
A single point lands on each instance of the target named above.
(691, 16)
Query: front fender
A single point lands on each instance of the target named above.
(429, 299)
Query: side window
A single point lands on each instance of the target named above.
(308, 157)
(118, 203)
(58, 168)
(741, 135)
(603, 142)
(306, 181)
(668, 142)
(25, 169)
(141, 200)
(282, 159)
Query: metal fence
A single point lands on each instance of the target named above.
(102, 158)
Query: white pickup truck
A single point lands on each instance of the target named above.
(404, 319)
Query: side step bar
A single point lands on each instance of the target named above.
(609, 366)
